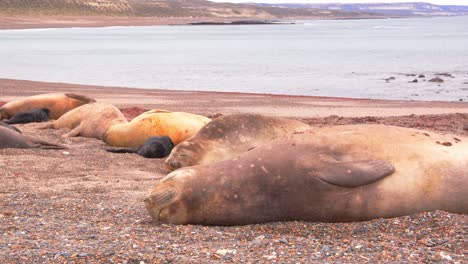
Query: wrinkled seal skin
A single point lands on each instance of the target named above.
(57, 103)
(228, 136)
(9, 127)
(176, 125)
(153, 148)
(13, 139)
(89, 120)
(335, 174)
(32, 116)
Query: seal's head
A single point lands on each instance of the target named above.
(46, 111)
(165, 202)
(183, 155)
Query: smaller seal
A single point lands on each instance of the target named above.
(229, 136)
(13, 139)
(89, 120)
(32, 116)
(153, 148)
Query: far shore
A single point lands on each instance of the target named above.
(209, 103)
(31, 22)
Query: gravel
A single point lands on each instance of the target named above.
(85, 205)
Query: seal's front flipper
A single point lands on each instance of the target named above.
(120, 150)
(354, 173)
(9, 127)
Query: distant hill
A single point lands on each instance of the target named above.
(163, 8)
(388, 9)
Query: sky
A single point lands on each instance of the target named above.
(437, 2)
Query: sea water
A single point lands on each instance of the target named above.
(340, 58)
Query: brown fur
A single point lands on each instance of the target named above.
(57, 103)
(228, 136)
(90, 120)
(334, 174)
(178, 126)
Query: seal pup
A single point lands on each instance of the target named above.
(333, 174)
(10, 127)
(32, 116)
(13, 139)
(176, 125)
(89, 120)
(153, 148)
(57, 103)
(228, 136)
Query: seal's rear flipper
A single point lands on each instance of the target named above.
(121, 150)
(9, 127)
(80, 97)
(354, 173)
(48, 125)
(45, 145)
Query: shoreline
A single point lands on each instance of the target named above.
(51, 22)
(207, 102)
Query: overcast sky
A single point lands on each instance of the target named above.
(439, 2)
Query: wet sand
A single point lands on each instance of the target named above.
(85, 205)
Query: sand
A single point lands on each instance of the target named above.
(85, 205)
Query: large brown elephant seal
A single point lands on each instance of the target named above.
(12, 139)
(89, 120)
(335, 174)
(178, 126)
(57, 103)
(228, 136)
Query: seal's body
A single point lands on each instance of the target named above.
(32, 116)
(334, 174)
(13, 139)
(153, 148)
(57, 103)
(228, 136)
(178, 126)
(90, 120)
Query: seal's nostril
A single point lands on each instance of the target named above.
(175, 165)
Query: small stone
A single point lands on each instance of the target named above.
(414, 81)
(66, 153)
(325, 248)
(283, 240)
(421, 76)
(223, 252)
(259, 239)
(436, 80)
(445, 256)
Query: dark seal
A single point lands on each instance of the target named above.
(32, 116)
(153, 148)
(13, 139)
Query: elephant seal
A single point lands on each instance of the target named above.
(89, 120)
(228, 136)
(176, 125)
(57, 103)
(334, 174)
(9, 127)
(153, 148)
(32, 116)
(13, 139)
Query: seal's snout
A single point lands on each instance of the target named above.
(173, 165)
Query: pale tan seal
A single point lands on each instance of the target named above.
(89, 120)
(178, 126)
(57, 103)
(228, 136)
(335, 174)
